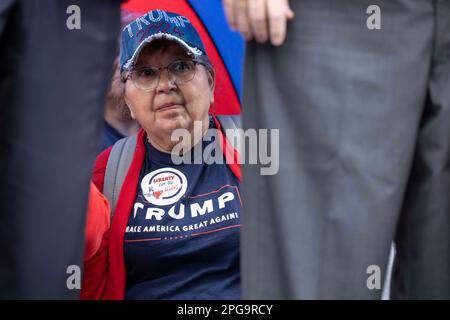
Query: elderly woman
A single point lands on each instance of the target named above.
(175, 229)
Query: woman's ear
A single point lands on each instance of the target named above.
(126, 101)
(212, 79)
(212, 82)
(131, 113)
(127, 104)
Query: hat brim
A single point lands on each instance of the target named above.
(157, 36)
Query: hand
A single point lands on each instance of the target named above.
(259, 19)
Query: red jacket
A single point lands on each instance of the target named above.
(104, 268)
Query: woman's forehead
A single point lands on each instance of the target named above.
(163, 51)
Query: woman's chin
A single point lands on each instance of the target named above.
(171, 115)
(170, 124)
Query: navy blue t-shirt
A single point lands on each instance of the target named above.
(182, 237)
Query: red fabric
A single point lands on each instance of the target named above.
(96, 245)
(232, 157)
(225, 97)
(97, 221)
(104, 272)
(98, 174)
(115, 288)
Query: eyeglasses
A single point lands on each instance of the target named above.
(179, 71)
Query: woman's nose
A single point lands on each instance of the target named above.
(166, 82)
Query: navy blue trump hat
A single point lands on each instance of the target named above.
(158, 24)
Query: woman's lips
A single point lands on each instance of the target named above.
(169, 106)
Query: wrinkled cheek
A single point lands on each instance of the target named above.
(192, 113)
(139, 104)
(200, 107)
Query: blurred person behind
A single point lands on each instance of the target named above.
(118, 122)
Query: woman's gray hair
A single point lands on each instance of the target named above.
(204, 59)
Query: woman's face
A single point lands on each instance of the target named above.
(169, 106)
